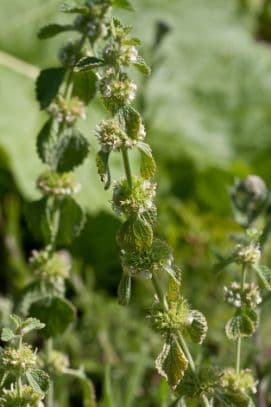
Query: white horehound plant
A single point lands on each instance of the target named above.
(142, 253)
(56, 218)
(23, 382)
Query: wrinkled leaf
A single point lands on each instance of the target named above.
(7, 335)
(84, 86)
(142, 67)
(198, 328)
(147, 163)
(52, 30)
(71, 221)
(102, 164)
(48, 84)
(88, 63)
(132, 121)
(239, 326)
(38, 220)
(71, 150)
(45, 143)
(38, 380)
(264, 274)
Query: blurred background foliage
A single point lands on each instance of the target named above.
(207, 108)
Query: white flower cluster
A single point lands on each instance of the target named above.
(67, 111)
(120, 91)
(59, 185)
(21, 359)
(51, 268)
(28, 397)
(123, 54)
(249, 296)
(249, 254)
(110, 136)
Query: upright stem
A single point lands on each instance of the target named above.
(239, 342)
(127, 167)
(19, 378)
(50, 394)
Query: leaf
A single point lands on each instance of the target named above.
(198, 328)
(31, 324)
(45, 143)
(71, 221)
(147, 163)
(132, 122)
(48, 84)
(17, 321)
(52, 30)
(171, 363)
(71, 150)
(38, 220)
(102, 164)
(84, 86)
(264, 274)
(173, 290)
(88, 63)
(135, 234)
(124, 289)
(141, 66)
(38, 380)
(239, 326)
(7, 335)
(72, 7)
(125, 4)
(56, 312)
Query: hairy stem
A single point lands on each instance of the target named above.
(50, 394)
(127, 166)
(239, 342)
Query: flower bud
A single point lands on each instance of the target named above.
(67, 110)
(19, 360)
(59, 185)
(28, 397)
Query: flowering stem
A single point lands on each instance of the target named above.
(239, 342)
(50, 394)
(127, 167)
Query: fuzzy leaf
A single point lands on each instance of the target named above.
(71, 221)
(171, 363)
(132, 121)
(264, 274)
(38, 380)
(239, 326)
(17, 321)
(52, 30)
(88, 63)
(173, 290)
(7, 335)
(124, 289)
(198, 328)
(135, 234)
(31, 324)
(71, 150)
(84, 86)
(38, 220)
(45, 143)
(125, 4)
(48, 84)
(147, 163)
(102, 159)
(56, 312)
(141, 66)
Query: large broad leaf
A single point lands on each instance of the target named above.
(147, 163)
(48, 84)
(71, 221)
(56, 312)
(38, 220)
(71, 150)
(52, 30)
(171, 363)
(38, 380)
(84, 86)
(264, 274)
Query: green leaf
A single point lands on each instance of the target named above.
(102, 163)
(147, 163)
(38, 220)
(198, 328)
(17, 321)
(38, 380)
(52, 30)
(132, 122)
(71, 221)
(88, 63)
(124, 289)
(141, 66)
(84, 86)
(45, 143)
(72, 7)
(135, 234)
(124, 4)
(31, 324)
(7, 335)
(171, 363)
(56, 312)
(71, 150)
(48, 84)
(264, 274)
(239, 326)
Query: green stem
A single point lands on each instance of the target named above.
(127, 167)
(19, 377)
(239, 342)
(50, 394)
